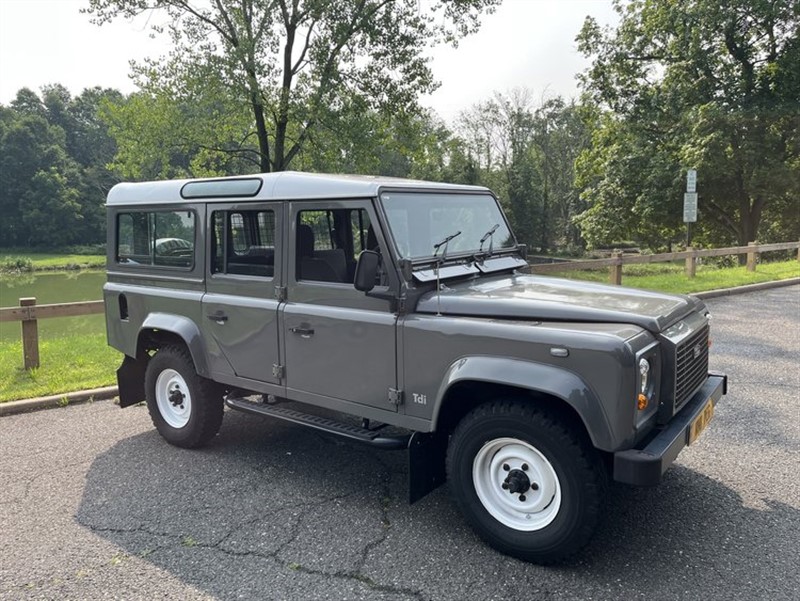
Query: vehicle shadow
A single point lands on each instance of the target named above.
(272, 510)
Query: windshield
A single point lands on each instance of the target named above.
(421, 220)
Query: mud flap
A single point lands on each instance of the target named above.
(130, 380)
(426, 464)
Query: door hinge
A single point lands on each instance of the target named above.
(278, 371)
(395, 396)
(280, 293)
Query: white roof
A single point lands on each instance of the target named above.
(285, 185)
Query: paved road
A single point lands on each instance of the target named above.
(93, 505)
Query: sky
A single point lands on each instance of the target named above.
(524, 44)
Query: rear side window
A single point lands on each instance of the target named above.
(243, 242)
(164, 238)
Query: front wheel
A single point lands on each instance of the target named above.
(186, 408)
(528, 485)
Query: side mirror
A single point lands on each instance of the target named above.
(366, 270)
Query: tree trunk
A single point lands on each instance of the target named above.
(263, 138)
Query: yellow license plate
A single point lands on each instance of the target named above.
(701, 421)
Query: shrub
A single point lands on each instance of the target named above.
(16, 264)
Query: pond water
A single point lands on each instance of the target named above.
(49, 288)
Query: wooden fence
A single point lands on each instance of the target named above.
(28, 312)
(690, 256)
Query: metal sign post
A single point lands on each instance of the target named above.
(690, 204)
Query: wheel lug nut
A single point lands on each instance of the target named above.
(524, 467)
(534, 486)
(505, 485)
(522, 498)
(506, 467)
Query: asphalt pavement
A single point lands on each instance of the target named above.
(95, 505)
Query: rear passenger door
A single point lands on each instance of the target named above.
(243, 282)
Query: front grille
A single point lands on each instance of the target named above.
(691, 366)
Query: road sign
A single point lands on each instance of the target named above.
(691, 180)
(690, 207)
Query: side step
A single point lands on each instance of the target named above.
(370, 437)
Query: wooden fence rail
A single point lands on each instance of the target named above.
(690, 255)
(28, 312)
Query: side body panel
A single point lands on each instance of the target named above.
(596, 377)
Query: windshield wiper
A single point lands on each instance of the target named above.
(444, 243)
(490, 237)
(439, 262)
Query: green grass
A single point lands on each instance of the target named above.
(66, 365)
(11, 261)
(669, 277)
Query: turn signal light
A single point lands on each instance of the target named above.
(641, 403)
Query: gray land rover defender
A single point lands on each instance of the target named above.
(399, 314)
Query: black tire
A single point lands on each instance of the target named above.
(186, 408)
(501, 444)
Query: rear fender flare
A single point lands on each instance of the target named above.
(184, 328)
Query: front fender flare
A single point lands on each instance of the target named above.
(535, 377)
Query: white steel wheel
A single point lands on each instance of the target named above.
(530, 484)
(186, 408)
(516, 484)
(173, 398)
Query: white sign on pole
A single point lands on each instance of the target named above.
(690, 207)
(691, 180)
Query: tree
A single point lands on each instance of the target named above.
(693, 84)
(291, 62)
(53, 176)
(38, 183)
(561, 134)
(528, 156)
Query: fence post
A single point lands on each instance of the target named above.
(615, 272)
(30, 336)
(751, 257)
(798, 251)
(691, 263)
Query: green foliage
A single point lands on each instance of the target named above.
(527, 155)
(70, 258)
(694, 84)
(15, 264)
(53, 179)
(260, 80)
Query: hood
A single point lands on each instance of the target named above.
(554, 299)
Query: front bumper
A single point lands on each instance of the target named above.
(644, 467)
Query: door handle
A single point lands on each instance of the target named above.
(303, 332)
(219, 317)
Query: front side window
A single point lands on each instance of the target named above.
(164, 238)
(419, 221)
(329, 241)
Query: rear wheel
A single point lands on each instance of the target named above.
(186, 408)
(528, 485)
